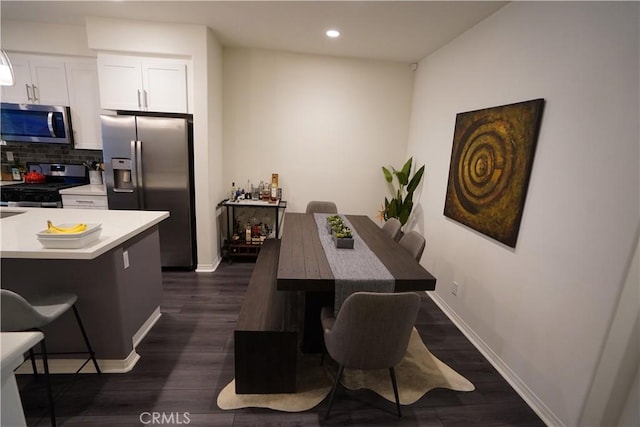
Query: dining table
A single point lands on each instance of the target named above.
(311, 271)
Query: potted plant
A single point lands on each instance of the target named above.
(401, 204)
(342, 237)
(334, 222)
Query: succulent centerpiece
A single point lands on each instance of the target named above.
(343, 237)
(343, 232)
(340, 232)
(334, 222)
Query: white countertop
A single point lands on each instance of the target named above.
(13, 345)
(19, 240)
(86, 190)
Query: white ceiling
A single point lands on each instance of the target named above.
(388, 30)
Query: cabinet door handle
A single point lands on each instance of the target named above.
(146, 101)
(29, 97)
(36, 98)
(139, 103)
(85, 201)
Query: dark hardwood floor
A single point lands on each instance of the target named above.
(187, 358)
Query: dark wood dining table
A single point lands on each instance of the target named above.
(303, 269)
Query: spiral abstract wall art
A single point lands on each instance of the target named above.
(491, 162)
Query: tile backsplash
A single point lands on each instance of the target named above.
(47, 153)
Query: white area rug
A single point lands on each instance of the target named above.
(419, 372)
(312, 387)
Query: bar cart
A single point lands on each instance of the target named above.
(239, 246)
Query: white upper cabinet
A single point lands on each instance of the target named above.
(84, 102)
(120, 81)
(142, 84)
(165, 86)
(39, 80)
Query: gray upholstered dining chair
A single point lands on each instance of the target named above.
(371, 331)
(317, 206)
(414, 243)
(18, 315)
(392, 228)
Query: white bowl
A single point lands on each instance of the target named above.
(70, 241)
(91, 228)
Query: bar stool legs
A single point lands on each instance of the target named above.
(33, 362)
(86, 342)
(86, 339)
(45, 362)
(18, 314)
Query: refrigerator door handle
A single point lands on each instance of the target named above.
(139, 181)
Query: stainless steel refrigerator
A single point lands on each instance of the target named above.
(149, 166)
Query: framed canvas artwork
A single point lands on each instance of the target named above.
(491, 161)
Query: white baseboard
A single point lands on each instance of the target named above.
(537, 405)
(208, 268)
(146, 327)
(70, 366)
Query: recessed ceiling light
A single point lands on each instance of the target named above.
(333, 33)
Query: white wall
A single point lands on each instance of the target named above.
(613, 397)
(325, 124)
(213, 184)
(40, 37)
(541, 311)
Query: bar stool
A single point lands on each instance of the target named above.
(19, 315)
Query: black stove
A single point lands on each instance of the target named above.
(45, 195)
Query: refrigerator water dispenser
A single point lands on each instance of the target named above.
(122, 174)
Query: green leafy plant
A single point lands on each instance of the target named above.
(334, 219)
(343, 233)
(401, 205)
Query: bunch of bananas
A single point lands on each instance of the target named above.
(78, 228)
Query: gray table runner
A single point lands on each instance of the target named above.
(354, 270)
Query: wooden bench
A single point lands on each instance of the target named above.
(265, 353)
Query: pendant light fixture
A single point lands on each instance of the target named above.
(6, 70)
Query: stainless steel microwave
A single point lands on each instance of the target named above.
(35, 123)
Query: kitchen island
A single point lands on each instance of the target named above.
(118, 279)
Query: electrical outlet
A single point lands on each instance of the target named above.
(125, 259)
(455, 286)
